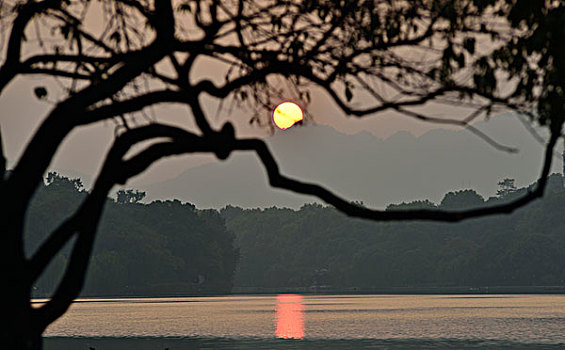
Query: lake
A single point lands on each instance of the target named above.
(314, 321)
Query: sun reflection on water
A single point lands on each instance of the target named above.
(290, 316)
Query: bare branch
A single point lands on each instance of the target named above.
(462, 123)
(75, 273)
(52, 245)
(131, 105)
(62, 119)
(2, 159)
(85, 222)
(281, 181)
(10, 68)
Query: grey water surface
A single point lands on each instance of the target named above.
(314, 322)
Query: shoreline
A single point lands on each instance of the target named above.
(242, 291)
(405, 290)
(160, 343)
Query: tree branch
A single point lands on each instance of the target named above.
(281, 181)
(10, 68)
(52, 245)
(75, 273)
(131, 105)
(2, 160)
(29, 170)
(85, 222)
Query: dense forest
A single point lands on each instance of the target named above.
(161, 248)
(318, 246)
(172, 248)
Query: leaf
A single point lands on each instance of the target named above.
(469, 45)
(184, 7)
(243, 95)
(66, 30)
(116, 37)
(348, 93)
(460, 59)
(40, 92)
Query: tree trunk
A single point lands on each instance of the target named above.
(21, 330)
(24, 339)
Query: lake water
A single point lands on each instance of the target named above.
(314, 321)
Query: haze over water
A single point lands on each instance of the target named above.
(523, 319)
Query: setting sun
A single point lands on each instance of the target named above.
(287, 114)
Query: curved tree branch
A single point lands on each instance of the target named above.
(85, 221)
(10, 67)
(32, 164)
(281, 181)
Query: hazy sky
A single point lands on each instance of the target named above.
(83, 150)
(365, 168)
(82, 153)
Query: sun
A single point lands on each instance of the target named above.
(287, 114)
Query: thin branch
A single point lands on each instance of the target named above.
(58, 73)
(2, 160)
(47, 58)
(131, 105)
(49, 248)
(10, 68)
(62, 119)
(461, 123)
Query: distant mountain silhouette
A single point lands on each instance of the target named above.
(365, 168)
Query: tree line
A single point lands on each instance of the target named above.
(161, 248)
(172, 248)
(319, 246)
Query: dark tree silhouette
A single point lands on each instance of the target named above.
(116, 58)
(506, 187)
(129, 196)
